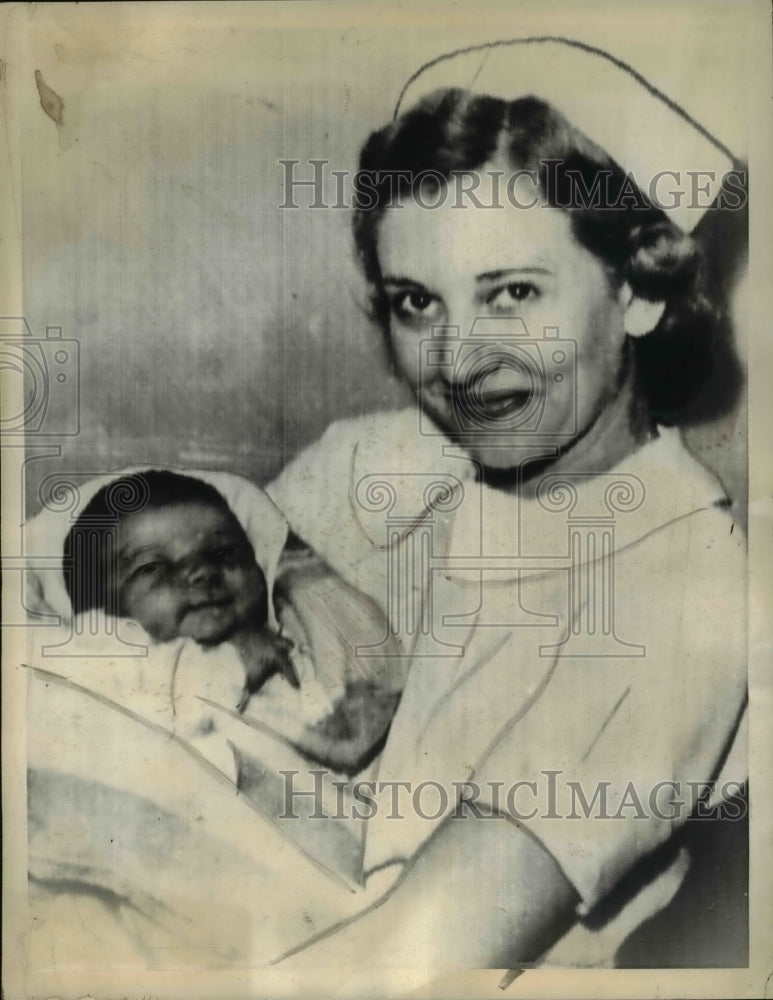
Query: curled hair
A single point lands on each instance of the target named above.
(453, 131)
(90, 545)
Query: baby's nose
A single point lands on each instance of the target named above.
(202, 573)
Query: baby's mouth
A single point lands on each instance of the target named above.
(209, 605)
(209, 621)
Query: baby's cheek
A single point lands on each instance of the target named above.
(132, 605)
(251, 594)
(158, 613)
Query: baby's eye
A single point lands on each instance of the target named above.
(230, 553)
(416, 306)
(148, 570)
(504, 299)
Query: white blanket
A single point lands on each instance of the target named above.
(143, 850)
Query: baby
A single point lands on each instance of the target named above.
(181, 565)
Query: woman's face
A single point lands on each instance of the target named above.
(508, 330)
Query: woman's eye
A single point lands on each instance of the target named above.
(510, 295)
(416, 305)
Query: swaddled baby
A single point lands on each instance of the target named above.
(182, 566)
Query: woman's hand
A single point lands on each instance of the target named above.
(349, 738)
(481, 893)
(263, 653)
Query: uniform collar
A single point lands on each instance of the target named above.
(402, 478)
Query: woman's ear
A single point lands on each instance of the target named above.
(641, 316)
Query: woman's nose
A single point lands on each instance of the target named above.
(454, 341)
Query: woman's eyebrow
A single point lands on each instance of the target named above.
(400, 282)
(506, 272)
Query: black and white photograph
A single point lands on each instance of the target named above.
(387, 499)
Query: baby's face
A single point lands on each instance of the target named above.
(188, 570)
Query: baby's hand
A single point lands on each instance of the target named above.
(263, 653)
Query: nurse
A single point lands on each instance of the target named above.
(562, 575)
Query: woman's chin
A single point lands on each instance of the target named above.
(498, 453)
(494, 447)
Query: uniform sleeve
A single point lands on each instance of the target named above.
(620, 750)
(316, 492)
(312, 491)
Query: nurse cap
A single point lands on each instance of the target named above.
(644, 131)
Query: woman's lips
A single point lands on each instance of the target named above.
(500, 405)
(497, 405)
